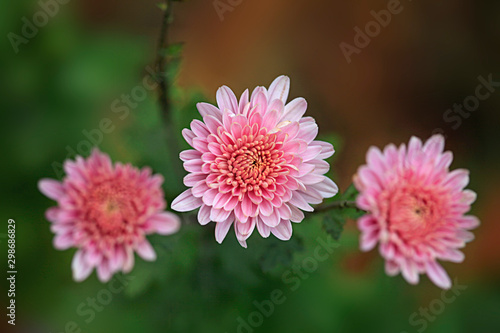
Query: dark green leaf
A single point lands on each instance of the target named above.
(350, 194)
(277, 252)
(334, 222)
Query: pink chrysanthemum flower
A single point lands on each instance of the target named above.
(255, 163)
(416, 208)
(105, 211)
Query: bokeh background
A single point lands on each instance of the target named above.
(66, 79)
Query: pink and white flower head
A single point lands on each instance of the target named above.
(105, 211)
(255, 163)
(416, 208)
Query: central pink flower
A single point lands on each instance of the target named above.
(255, 163)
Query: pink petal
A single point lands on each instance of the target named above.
(283, 231)
(186, 202)
(204, 214)
(272, 220)
(298, 201)
(284, 212)
(146, 251)
(368, 241)
(259, 102)
(308, 129)
(93, 256)
(201, 145)
(192, 178)
(244, 230)
(457, 179)
(188, 136)
(434, 146)
(190, 154)
(52, 214)
(200, 188)
(212, 123)
(265, 208)
(117, 259)
(327, 149)
(104, 271)
(297, 214)
(247, 206)
(295, 110)
(165, 223)
(376, 160)
(243, 101)
(438, 275)
(391, 268)
(270, 120)
(279, 88)
(327, 188)
(311, 179)
(453, 255)
(409, 271)
(206, 109)
(288, 129)
(81, 270)
(199, 128)
(209, 197)
(64, 241)
(221, 229)
(263, 229)
(468, 222)
(312, 152)
(129, 260)
(221, 200)
(226, 99)
(51, 188)
(469, 197)
(231, 204)
(219, 215)
(238, 212)
(414, 147)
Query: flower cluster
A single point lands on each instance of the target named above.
(256, 164)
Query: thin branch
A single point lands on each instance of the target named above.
(336, 205)
(162, 61)
(161, 64)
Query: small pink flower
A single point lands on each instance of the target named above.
(416, 208)
(105, 211)
(255, 163)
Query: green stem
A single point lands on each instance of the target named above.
(341, 204)
(162, 61)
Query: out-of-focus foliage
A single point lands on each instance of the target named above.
(56, 91)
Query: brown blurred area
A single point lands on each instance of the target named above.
(427, 58)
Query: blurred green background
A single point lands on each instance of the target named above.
(74, 71)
